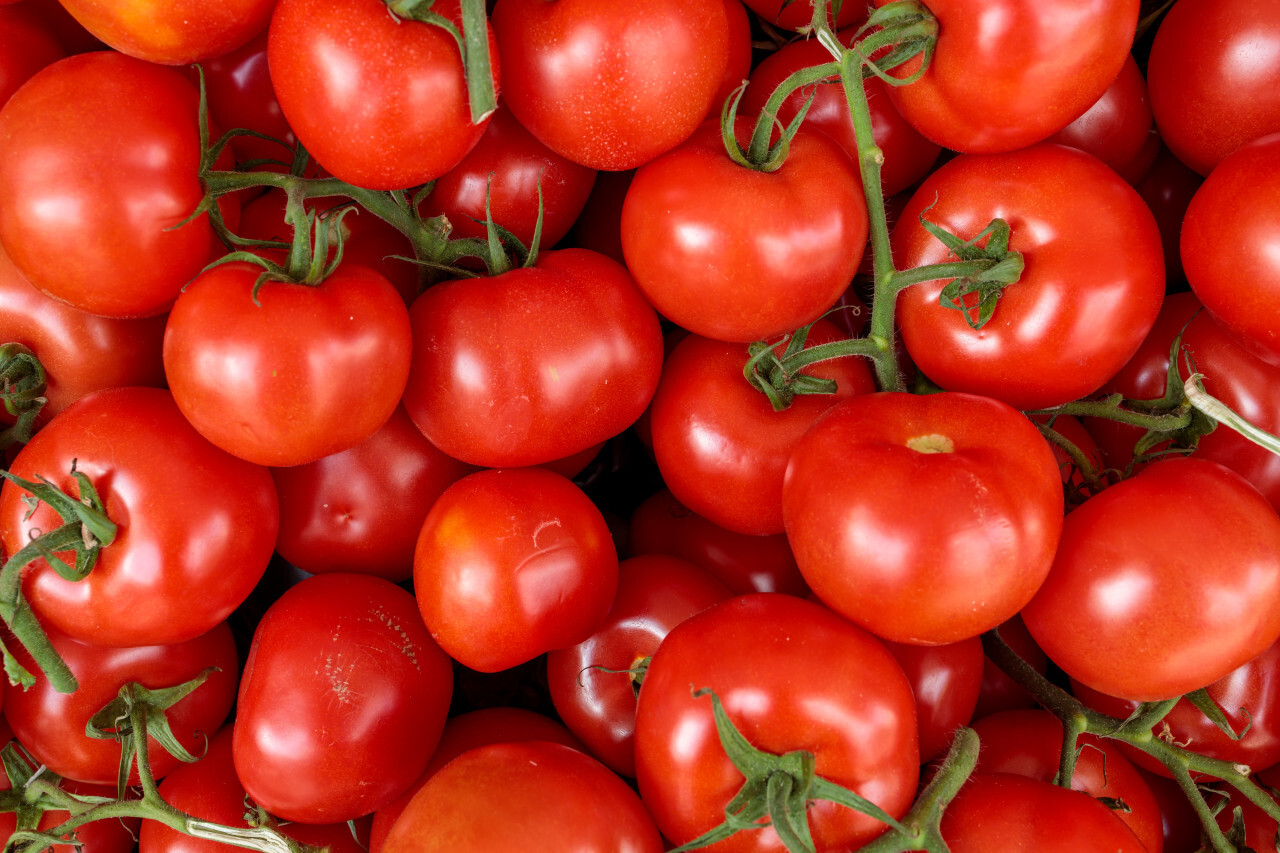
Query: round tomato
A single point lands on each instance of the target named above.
(238, 86)
(925, 519)
(1118, 128)
(381, 102)
(1132, 567)
(1168, 189)
(173, 32)
(945, 680)
(1075, 315)
(342, 701)
(27, 44)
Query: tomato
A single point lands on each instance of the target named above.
(999, 692)
(791, 675)
(238, 86)
(173, 32)
(854, 501)
(80, 352)
(1167, 189)
(740, 54)
(210, 790)
(721, 447)
(589, 683)
(553, 798)
(793, 16)
(360, 510)
(1005, 811)
(508, 166)
(27, 44)
(1229, 239)
(52, 724)
(1118, 128)
(303, 373)
(463, 733)
(601, 91)
(1075, 315)
(1008, 74)
(1074, 431)
(196, 526)
(1212, 78)
(742, 562)
(945, 681)
(722, 275)
(380, 102)
(539, 363)
(1131, 566)
(342, 701)
(1029, 743)
(1179, 821)
(105, 242)
(512, 563)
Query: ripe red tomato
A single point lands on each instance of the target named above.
(793, 16)
(27, 44)
(1008, 74)
(342, 701)
(52, 724)
(925, 519)
(105, 242)
(380, 102)
(306, 372)
(720, 274)
(1167, 189)
(173, 32)
(1131, 566)
(600, 90)
(999, 692)
(791, 675)
(1075, 316)
(512, 563)
(1118, 128)
(945, 680)
(535, 364)
(196, 525)
(238, 86)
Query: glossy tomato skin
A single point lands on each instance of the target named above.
(1075, 316)
(794, 16)
(238, 86)
(786, 671)
(588, 681)
(210, 790)
(999, 692)
(360, 510)
(196, 526)
(1133, 565)
(1009, 74)
(1212, 79)
(1229, 238)
(720, 446)
(173, 32)
(512, 563)
(1168, 188)
(535, 364)
(1118, 128)
(554, 798)
(603, 92)
(380, 102)
(346, 655)
(722, 275)
(27, 44)
(854, 503)
(303, 373)
(945, 681)
(83, 242)
(51, 724)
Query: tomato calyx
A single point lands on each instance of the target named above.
(31, 793)
(22, 389)
(84, 532)
(636, 674)
(473, 46)
(778, 375)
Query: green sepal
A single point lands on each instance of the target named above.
(1213, 711)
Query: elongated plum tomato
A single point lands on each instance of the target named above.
(535, 364)
(925, 519)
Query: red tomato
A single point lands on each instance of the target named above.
(1073, 431)
(588, 681)
(740, 49)
(539, 362)
(1075, 315)
(360, 510)
(793, 16)
(209, 790)
(1011, 73)
(945, 681)
(723, 275)
(463, 733)
(1213, 78)
(105, 242)
(603, 92)
(1029, 743)
(999, 692)
(306, 372)
(721, 447)
(1131, 567)
(1229, 239)
(342, 701)
(1004, 811)
(52, 724)
(1167, 189)
(791, 675)
(238, 86)
(743, 563)
(173, 32)
(196, 525)
(553, 798)
(1118, 128)
(1179, 821)
(855, 498)
(512, 563)
(509, 165)
(380, 102)
(27, 44)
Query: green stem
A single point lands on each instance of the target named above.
(475, 56)
(1111, 409)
